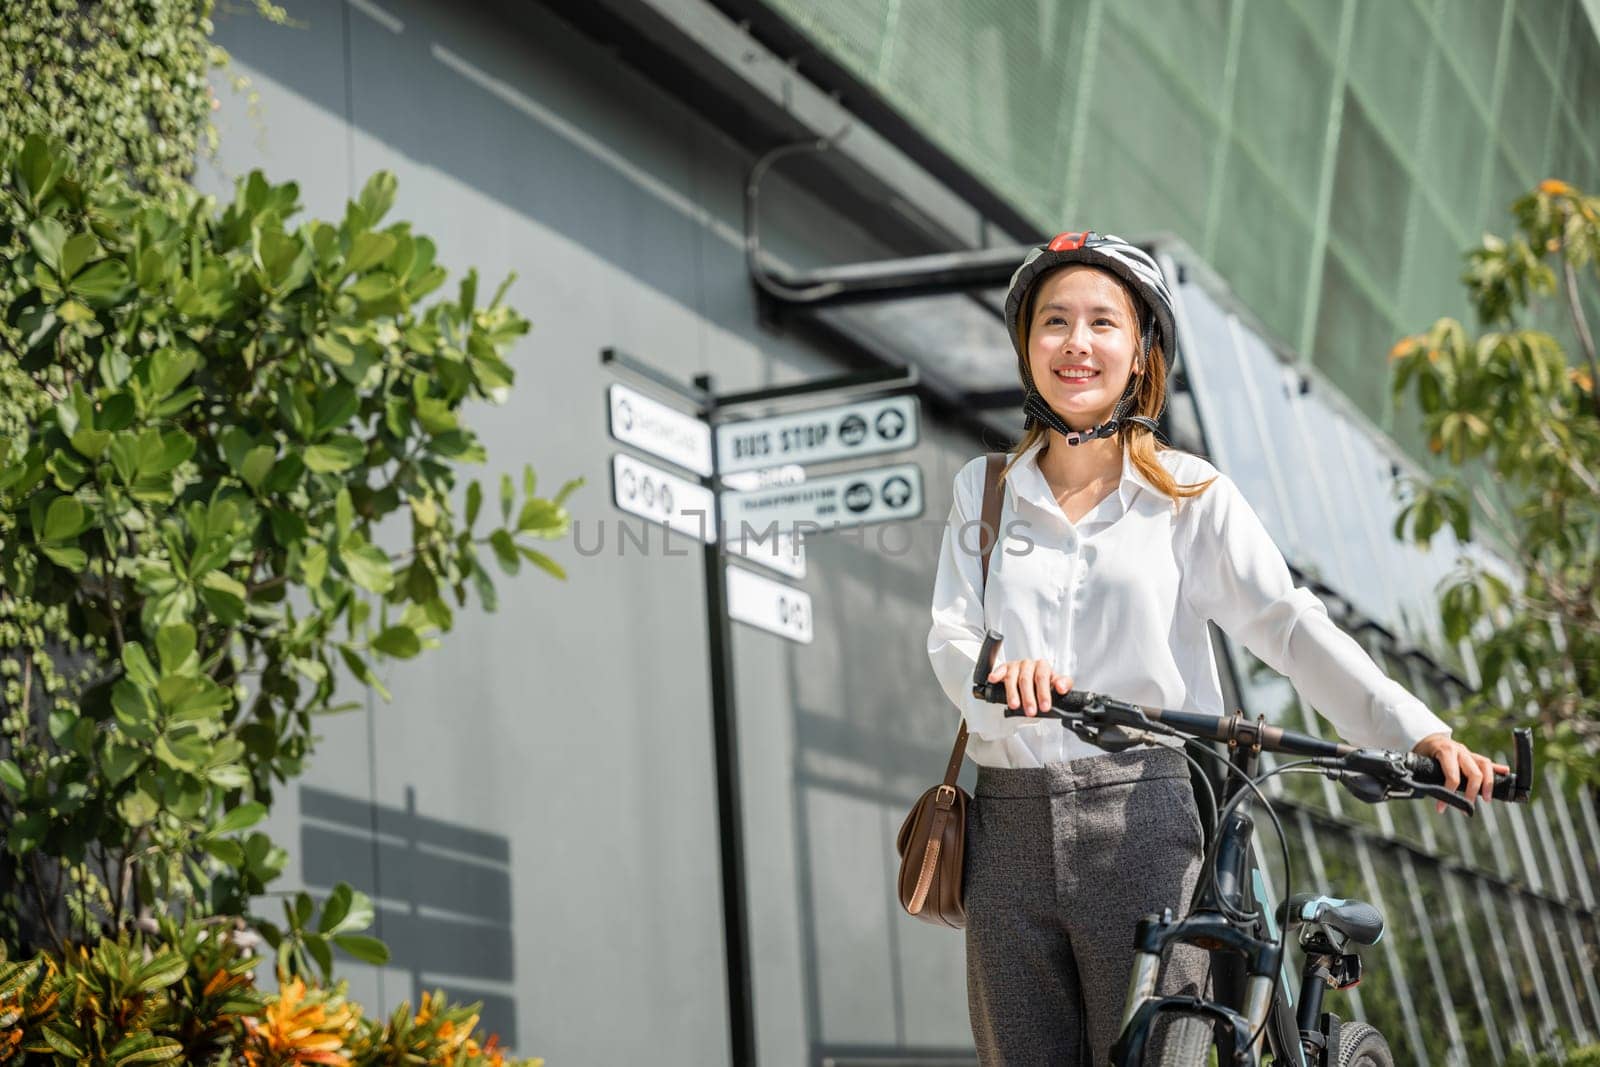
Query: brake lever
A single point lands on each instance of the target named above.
(1380, 782)
(1455, 799)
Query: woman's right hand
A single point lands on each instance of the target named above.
(1032, 683)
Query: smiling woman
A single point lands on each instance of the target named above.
(1136, 547)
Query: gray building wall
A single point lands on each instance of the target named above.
(535, 811)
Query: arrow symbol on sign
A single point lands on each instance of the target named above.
(896, 491)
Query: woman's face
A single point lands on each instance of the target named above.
(1081, 343)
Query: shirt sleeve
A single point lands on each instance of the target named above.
(1235, 575)
(958, 617)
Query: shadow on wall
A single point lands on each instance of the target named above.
(482, 96)
(442, 891)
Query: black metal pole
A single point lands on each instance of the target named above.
(730, 809)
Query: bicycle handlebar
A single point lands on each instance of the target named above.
(1373, 774)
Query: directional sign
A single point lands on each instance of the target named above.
(769, 604)
(881, 494)
(652, 493)
(653, 427)
(867, 428)
(749, 481)
(785, 554)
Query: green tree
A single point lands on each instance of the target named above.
(1511, 402)
(207, 415)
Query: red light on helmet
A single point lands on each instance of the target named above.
(1069, 242)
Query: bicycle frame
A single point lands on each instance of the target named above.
(1247, 965)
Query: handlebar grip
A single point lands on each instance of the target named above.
(985, 664)
(1515, 786)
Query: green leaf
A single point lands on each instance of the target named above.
(505, 550)
(228, 776)
(367, 566)
(91, 442)
(137, 664)
(64, 520)
(175, 647)
(47, 236)
(61, 1043)
(164, 969)
(344, 513)
(566, 490)
(400, 642)
(377, 196)
(119, 762)
(335, 407)
(364, 948)
(539, 559)
(335, 908)
(367, 250)
(426, 510)
(333, 349)
(190, 699)
(542, 517)
(317, 946)
(224, 596)
(11, 778)
(474, 503)
(138, 808)
(103, 283)
(379, 286)
(508, 497)
(225, 849)
(145, 1047)
(362, 671)
(73, 559)
(315, 565)
(337, 453)
(132, 706)
(257, 462)
(79, 249)
(37, 168)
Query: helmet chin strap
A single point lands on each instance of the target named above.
(1038, 409)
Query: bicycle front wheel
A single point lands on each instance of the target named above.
(1187, 1043)
(1362, 1046)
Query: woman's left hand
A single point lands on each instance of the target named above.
(1458, 762)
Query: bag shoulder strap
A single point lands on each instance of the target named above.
(988, 537)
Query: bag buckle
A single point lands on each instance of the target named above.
(941, 799)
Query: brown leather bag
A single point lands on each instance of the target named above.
(932, 839)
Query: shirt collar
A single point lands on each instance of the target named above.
(1029, 482)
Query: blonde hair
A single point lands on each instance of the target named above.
(1148, 397)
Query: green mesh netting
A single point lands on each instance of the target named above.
(1211, 119)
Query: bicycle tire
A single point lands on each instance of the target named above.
(1362, 1046)
(1187, 1044)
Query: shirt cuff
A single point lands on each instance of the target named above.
(1407, 721)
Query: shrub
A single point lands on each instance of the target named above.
(206, 415)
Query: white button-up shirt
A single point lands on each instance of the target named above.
(1118, 602)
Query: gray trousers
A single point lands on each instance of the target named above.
(1062, 861)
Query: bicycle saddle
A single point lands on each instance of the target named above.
(1355, 919)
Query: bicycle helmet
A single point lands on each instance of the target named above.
(1135, 268)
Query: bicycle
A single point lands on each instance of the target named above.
(1225, 915)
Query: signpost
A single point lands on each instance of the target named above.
(653, 427)
(768, 604)
(881, 494)
(651, 493)
(866, 428)
(752, 484)
(784, 553)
